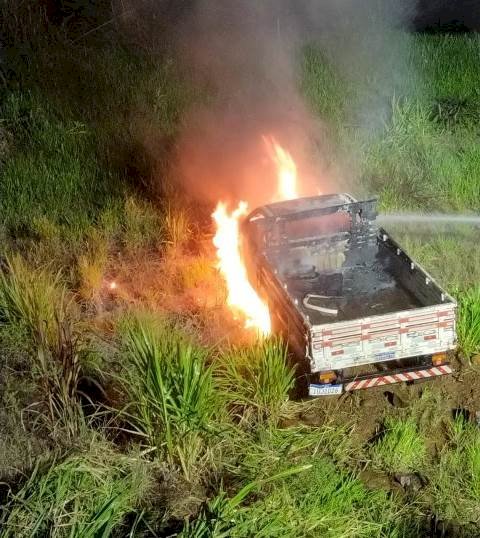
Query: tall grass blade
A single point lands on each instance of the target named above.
(85, 495)
(173, 396)
(258, 379)
(468, 324)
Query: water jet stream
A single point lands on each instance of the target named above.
(434, 218)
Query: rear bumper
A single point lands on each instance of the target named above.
(380, 379)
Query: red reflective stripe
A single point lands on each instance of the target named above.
(346, 340)
(353, 385)
(398, 378)
(388, 333)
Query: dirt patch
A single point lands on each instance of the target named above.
(365, 410)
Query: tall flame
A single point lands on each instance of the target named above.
(241, 295)
(286, 170)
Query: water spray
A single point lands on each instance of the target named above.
(435, 218)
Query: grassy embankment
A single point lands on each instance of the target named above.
(115, 420)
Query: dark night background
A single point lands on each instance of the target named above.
(445, 15)
(448, 14)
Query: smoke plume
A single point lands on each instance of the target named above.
(249, 53)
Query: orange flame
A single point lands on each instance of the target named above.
(241, 295)
(286, 170)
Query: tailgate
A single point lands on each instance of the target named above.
(421, 331)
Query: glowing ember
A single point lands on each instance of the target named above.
(113, 285)
(241, 295)
(286, 170)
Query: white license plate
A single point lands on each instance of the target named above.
(385, 356)
(324, 390)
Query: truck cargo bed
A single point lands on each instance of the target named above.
(345, 294)
(358, 292)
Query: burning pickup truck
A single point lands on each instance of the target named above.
(355, 308)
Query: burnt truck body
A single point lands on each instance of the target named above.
(356, 310)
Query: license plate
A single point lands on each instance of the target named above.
(324, 390)
(385, 356)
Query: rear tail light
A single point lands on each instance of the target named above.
(439, 358)
(328, 377)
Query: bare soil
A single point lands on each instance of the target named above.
(433, 403)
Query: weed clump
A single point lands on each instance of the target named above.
(455, 480)
(400, 448)
(468, 322)
(36, 303)
(173, 399)
(84, 495)
(142, 227)
(257, 380)
(28, 300)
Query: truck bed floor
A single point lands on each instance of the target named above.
(356, 292)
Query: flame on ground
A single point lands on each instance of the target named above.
(241, 295)
(286, 170)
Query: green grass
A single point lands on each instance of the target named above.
(258, 379)
(323, 501)
(399, 448)
(172, 393)
(218, 517)
(455, 480)
(468, 324)
(85, 495)
(287, 485)
(142, 227)
(449, 69)
(53, 169)
(263, 451)
(88, 131)
(423, 155)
